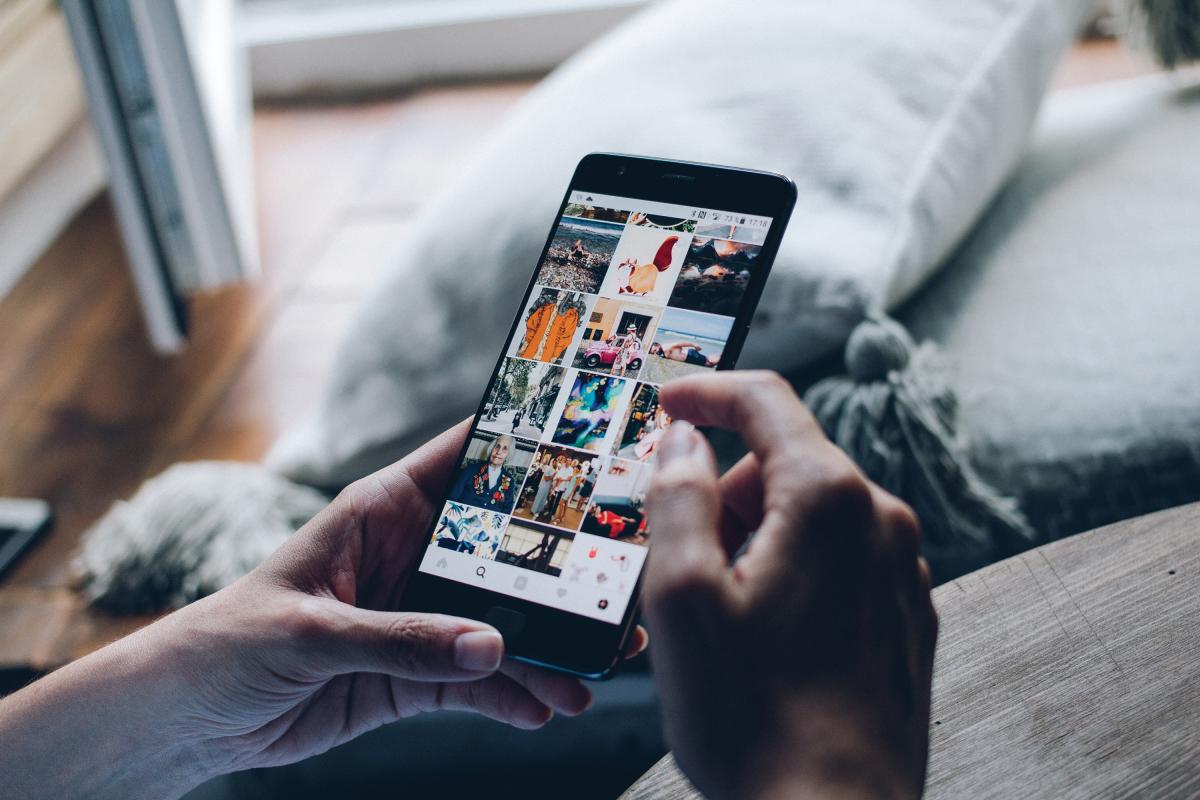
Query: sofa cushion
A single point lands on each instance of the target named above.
(898, 121)
(1071, 314)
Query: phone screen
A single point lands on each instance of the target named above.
(547, 503)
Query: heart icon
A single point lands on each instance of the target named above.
(562, 592)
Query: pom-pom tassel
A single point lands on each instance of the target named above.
(1172, 28)
(896, 416)
(188, 532)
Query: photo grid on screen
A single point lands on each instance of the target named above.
(629, 295)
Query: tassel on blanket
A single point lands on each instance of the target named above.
(1172, 28)
(897, 418)
(188, 532)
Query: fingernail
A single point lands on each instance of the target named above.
(679, 443)
(479, 651)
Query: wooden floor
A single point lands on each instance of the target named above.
(87, 411)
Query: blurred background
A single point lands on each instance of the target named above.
(177, 270)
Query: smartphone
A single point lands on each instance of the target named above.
(652, 271)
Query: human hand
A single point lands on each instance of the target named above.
(307, 652)
(804, 668)
(303, 654)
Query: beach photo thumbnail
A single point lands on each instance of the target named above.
(540, 548)
(491, 473)
(552, 323)
(579, 254)
(473, 531)
(589, 410)
(616, 337)
(686, 343)
(618, 503)
(521, 398)
(558, 487)
(645, 264)
(588, 211)
(715, 276)
(644, 425)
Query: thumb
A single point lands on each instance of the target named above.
(423, 647)
(687, 563)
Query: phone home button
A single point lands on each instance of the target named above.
(510, 623)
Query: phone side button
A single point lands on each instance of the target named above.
(510, 623)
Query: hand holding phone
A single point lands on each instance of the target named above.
(804, 668)
(302, 654)
(651, 272)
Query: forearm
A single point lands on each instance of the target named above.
(854, 780)
(104, 726)
(824, 749)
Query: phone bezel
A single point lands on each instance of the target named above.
(555, 638)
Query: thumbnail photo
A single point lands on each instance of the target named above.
(469, 530)
(560, 483)
(645, 265)
(618, 504)
(492, 471)
(531, 546)
(739, 233)
(586, 211)
(715, 276)
(616, 337)
(662, 222)
(686, 343)
(589, 411)
(644, 425)
(521, 398)
(579, 254)
(551, 324)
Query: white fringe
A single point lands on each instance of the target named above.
(188, 532)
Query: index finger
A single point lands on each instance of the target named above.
(800, 468)
(760, 406)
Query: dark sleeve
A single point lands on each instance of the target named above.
(461, 484)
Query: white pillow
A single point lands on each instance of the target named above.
(898, 120)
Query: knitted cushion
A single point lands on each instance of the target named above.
(1071, 315)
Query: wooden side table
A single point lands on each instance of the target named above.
(1070, 671)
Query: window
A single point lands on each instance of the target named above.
(304, 47)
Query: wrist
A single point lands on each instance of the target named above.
(107, 725)
(846, 779)
(830, 748)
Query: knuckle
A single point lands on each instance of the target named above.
(903, 523)
(405, 640)
(348, 496)
(476, 695)
(303, 620)
(769, 381)
(509, 699)
(790, 473)
(354, 498)
(843, 496)
(775, 393)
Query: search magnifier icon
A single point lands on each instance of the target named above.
(481, 571)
